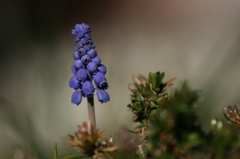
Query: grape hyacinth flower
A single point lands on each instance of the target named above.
(87, 67)
(77, 97)
(103, 96)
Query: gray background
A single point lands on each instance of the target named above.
(193, 40)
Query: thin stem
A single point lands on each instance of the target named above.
(91, 112)
(55, 151)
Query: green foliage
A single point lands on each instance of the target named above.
(148, 96)
(55, 151)
(173, 129)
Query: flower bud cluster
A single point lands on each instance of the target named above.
(87, 66)
(87, 140)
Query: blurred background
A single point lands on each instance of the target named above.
(197, 41)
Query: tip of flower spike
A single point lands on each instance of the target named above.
(84, 28)
(80, 30)
(77, 26)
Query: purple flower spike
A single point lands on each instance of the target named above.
(84, 41)
(76, 56)
(87, 67)
(93, 46)
(78, 26)
(92, 53)
(85, 59)
(81, 28)
(88, 36)
(87, 47)
(77, 97)
(81, 52)
(74, 83)
(100, 80)
(79, 45)
(80, 35)
(74, 70)
(92, 67)
(101, 68)
(96, 59)
(103, 96)
(74, 32)
(77, 39)
(90, 41)
(86, 28)
(78, 64)
(88, 89)
(81, 75)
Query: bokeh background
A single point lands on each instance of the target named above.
(197, 41)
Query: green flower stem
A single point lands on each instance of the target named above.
(91, 111)
(55, 151)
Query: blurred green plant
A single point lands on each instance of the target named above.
(149, 96)
(169, 126)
